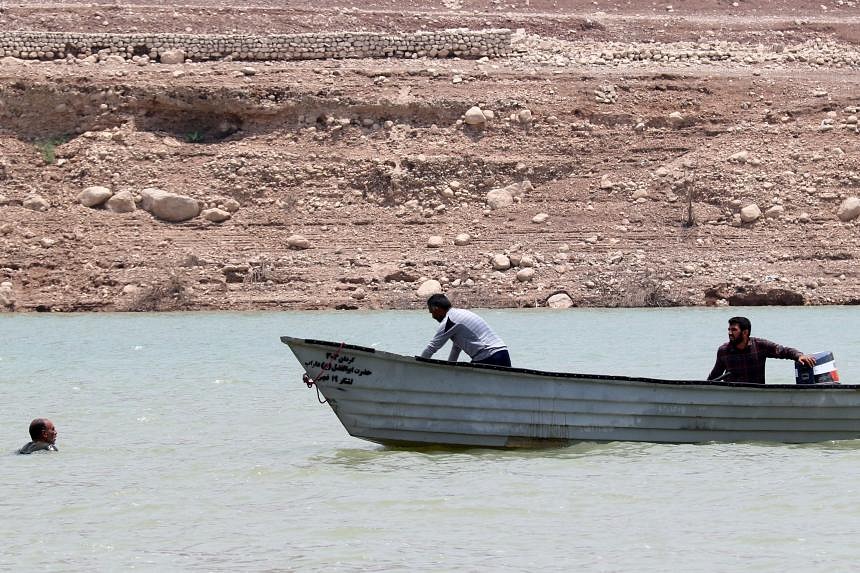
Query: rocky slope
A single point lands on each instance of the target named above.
(690, 154)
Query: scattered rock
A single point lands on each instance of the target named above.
(215, 215)
(501, 262)
(773, 297)
(462, 239)
(94, 196)
(475, 117)
(122, 202)
(740, 157)
(400, 275)
(435, 241)
(504, 197)
(606, 182)
(235, 273)
(230, 205)
(540, 218)
(750, 213)
(849, 209)
(526, 274)
(36, 203)
(499, 198)
(606, 94)
(559, 300)
(169, 206)
(172, 57)
(7, 295)
(775, 212)
(299, 242)
(676, 119)
(428, 288)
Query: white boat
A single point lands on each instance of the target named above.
(404, 400)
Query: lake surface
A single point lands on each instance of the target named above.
(188, 443)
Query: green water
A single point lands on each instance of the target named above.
(188, 443)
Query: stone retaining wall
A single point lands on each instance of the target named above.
(440, 44)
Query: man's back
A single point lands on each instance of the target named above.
(468, 332)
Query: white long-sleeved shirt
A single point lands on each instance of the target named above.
(468, 332)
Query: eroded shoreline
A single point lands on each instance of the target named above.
(355, 178)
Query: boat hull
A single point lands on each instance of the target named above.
(393, 399)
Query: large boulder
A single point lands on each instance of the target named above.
(122, 202)
(499, 198)
(504, 197)
(462, 239)
(429, 288)
(169, 206)
(474, 116)
(94, 196)
(559, 300)
(849, 209)
(500, 262)
(172, 57)
(7, 295)
(750, 213)
(526, 274)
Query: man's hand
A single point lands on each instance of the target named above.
(807, 360)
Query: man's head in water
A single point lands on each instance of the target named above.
(43, 430)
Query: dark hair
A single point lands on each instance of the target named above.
(37, 428)
(742, 322)
(439, 300)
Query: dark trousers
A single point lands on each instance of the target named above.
(499, 358)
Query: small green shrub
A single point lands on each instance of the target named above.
(48, 148)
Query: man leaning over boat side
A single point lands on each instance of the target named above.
(467, 332)
(742, 358)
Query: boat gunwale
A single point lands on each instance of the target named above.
(569, 375)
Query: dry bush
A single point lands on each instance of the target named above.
(634, 291)
(259, 273)
(170, 294)
(647, 293)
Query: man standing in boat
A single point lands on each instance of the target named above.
(742, 358)
(467, 331)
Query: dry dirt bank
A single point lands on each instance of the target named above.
(368, 160)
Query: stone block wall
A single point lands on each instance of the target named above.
(440, 44)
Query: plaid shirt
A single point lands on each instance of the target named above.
(747, 365)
